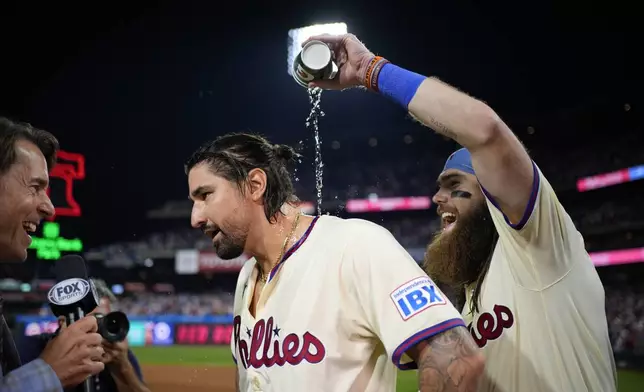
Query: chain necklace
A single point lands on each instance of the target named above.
(262, 277)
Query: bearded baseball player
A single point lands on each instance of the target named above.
(534, 302)
(324, 304)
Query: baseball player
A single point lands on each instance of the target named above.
(534, 302)
(324, 304)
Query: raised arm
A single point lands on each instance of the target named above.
(502, 165)
(449, 361)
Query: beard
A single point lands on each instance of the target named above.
(229, 248)
(231, 244)
(456, 258)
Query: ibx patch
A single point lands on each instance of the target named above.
(416, 296)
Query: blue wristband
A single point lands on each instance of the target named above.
(398, 83)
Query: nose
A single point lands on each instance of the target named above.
(439, 197)
(197, 218)
(46, 208)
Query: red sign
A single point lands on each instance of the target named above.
(70, 167)
(203, 334)
(389, 204)
(602, 180)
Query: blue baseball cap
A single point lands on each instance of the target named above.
(460, 160)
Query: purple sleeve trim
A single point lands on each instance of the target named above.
(531, 202)
(234, 360)
(420, 336)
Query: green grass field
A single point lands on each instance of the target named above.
(629, 381)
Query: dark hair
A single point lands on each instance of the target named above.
(11, 132)
(234, 155)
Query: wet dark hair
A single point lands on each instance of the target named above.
(234, 155)
(12, 132)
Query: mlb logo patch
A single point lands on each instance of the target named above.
(416, 296)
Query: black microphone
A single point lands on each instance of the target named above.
(73, 295)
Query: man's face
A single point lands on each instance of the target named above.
(466, 236)
(23, 201)
(220, 210)
(458, 194)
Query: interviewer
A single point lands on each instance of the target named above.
(26, 156)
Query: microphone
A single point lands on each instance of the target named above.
(73, 295)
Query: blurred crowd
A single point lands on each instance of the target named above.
(147, 304)
(625, 311)
(155, 304)
(625, 308)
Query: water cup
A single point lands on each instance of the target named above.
(314, 62)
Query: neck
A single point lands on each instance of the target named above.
(267, 240)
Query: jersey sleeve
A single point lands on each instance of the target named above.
(543, 246)
(394, 298)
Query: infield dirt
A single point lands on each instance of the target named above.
(178, 378)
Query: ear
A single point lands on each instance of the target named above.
(257, 184)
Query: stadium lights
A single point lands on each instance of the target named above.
(297, 36)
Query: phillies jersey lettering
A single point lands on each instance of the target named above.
(542, 322)
(490, 326)
(338, 314)
(267, 349)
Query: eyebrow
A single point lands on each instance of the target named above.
(447, 177)
(40, 181)
(200, 190)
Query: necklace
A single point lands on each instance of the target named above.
(262, 277)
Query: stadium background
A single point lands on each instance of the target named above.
(132, 91)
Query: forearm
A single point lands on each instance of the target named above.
(454, 114)
(126, 378)
(502, 165)
(468, 121)
(448, 362)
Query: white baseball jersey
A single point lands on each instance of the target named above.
(542, 323)
(337, 314)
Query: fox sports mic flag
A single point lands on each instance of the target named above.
(73, 295)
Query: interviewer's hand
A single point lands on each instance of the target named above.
(76, 352)
(352, 58)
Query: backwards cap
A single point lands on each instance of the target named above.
(460, 160)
